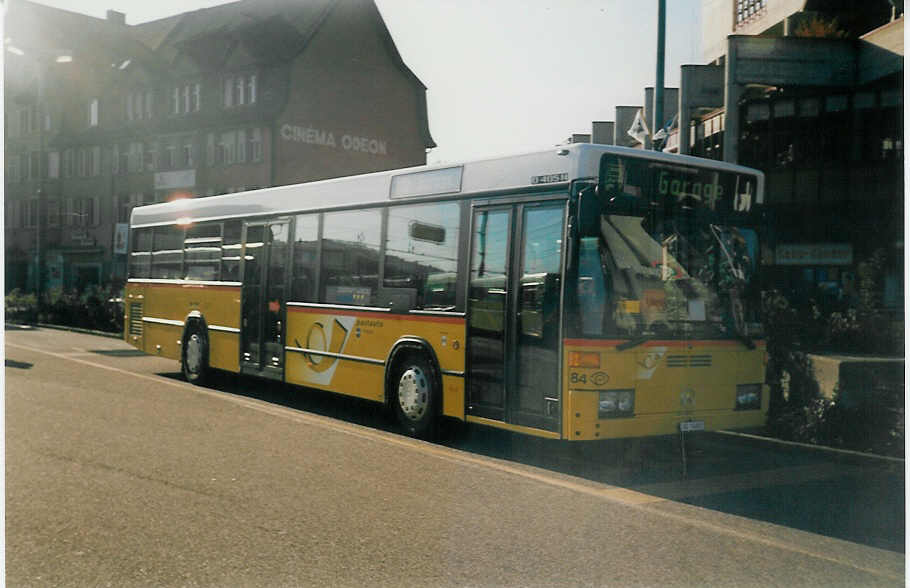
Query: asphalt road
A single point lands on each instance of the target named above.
(118, 473)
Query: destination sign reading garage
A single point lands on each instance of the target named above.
(331, 139)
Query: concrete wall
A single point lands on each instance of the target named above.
(718, 22)
(848, 378)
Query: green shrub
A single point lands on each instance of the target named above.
(97, 307)
(21, 307)
(875, 422)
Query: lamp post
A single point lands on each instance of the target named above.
(658, 122)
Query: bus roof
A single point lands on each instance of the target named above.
(554, 166)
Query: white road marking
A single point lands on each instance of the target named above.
(614, 494)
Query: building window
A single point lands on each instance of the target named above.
(239, 90)
(12, 168)
(150, 156)
(11, 218)
(237, 146)
(31, 213)
(83, 212)
(169, 159)
(746, 10)
(186, 99)
(187, 160)
(93, 113)
(135, 157)
(256, 144)
(127, 203)
(34, 165)
(95, 161)
(22, 122)
(53, 213)
(139, 105)
(84, 162)
(69, 168)
(241, 146)
(227, 147)
(53, 165)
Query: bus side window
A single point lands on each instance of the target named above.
(141, 254)
(230, 251)
(167, 252)
(202, 252)
(421, 253)
(350, 256)
(303, 286)
(591, 287)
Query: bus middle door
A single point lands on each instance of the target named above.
(265, 262)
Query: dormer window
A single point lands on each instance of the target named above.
(239, 90)
(139, 105)
(186, 98)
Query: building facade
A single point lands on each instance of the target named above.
(811, 93)
(103, 116)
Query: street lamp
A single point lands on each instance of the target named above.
(40, 59)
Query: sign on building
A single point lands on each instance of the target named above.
(815, 254)
(121, 238)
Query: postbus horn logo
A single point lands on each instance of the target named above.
(317, 340)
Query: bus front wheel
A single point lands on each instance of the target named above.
(195, 356)
(415, 397)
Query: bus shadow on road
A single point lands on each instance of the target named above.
(809, 491)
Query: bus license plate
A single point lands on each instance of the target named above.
(687, 426)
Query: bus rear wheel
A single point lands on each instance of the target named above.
(415, 396)
(195, 356)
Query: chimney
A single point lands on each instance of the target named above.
(602, 132)
(116, 17)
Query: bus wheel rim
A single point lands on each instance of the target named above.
(193, 353)
(413, 393)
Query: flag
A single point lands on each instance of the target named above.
(665, 131)
(639, 130)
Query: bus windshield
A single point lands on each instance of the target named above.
(674, 277)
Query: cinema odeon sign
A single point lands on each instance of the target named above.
(324, 138)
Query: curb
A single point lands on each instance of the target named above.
(9, 326)
(849, 453)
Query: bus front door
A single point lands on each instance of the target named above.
(514, 314)
(265, 253)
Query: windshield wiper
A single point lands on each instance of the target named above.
(634, 342)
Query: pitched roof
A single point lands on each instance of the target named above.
(46, 31)
(269, 28)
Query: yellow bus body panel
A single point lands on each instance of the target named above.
(219, 305)
(356, 344)
(673, 381)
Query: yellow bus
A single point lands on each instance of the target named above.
(585, 292)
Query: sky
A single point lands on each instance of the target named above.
(509, 76)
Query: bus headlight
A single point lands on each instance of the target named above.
(748, 397)
(616, 403)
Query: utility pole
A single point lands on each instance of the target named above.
(658, 121)
(42, 196)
